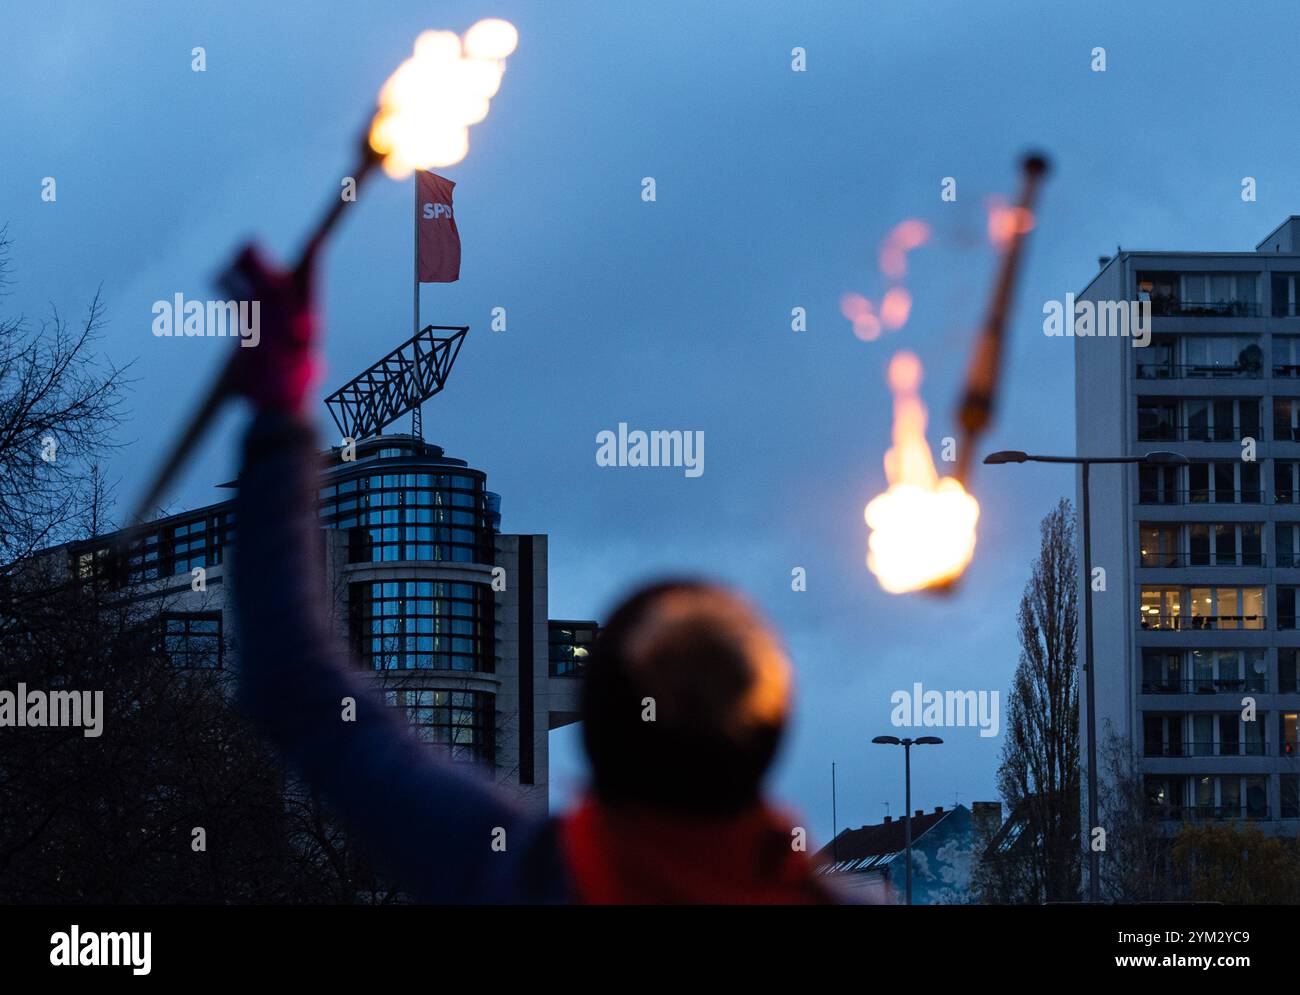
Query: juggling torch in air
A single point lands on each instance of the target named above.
(922, 529)
(425, 110)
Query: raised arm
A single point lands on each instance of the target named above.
(429, 824)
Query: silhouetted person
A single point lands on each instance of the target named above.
(685, 698)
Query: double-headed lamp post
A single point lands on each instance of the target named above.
(907, 745)
(1151, 459)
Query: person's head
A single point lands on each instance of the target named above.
(685, 697)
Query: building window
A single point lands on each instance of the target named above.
(392, 517)
(1200, 294)
(1158, 484)
(1290, 800)
(193, 639)
(1227, 607)
(1165, 796)
(1212, 735)
(1218, 544)
(1286, 734)
(1284, 297)
(1161, 608)
(1198, 419)
(459, 723)
(1286, 541)
(1287, 670)
(1229, 796)
(1200, 357)
(570, 647)
(1286, 419)
(1223, 482)
(1213, 482)
(1285, 488)
(1214, 671)
(1286, 355)
(1201, 607)
(1286, 606)
(1162, 735)
(1160, 545)
(422, 625)
(1162, 671)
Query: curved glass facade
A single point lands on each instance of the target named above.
(406, 501)
(422, 625)
(401, 500)
(462, 722)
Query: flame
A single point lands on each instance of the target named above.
(1006, 221)
(895, 308)
(866, 324)
(906, 236)
(427, 106)
(923, 526)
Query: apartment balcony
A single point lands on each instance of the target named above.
(1196, 623)
(1222, 813)
(1172, 307)
(1205, 749)
(1210, 497)
(1156, 370)
(1155, 561)
(1206, 685)
(1165, 432)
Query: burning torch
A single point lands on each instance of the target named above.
(923, 526)
(425, 110)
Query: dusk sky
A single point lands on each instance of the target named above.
(774, 191)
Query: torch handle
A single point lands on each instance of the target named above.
(219, 390)
(976, 408)
(198, 424)
(367, 160)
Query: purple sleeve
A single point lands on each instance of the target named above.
(432, 826)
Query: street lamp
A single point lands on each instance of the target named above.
(1159, 458)
(907, 745)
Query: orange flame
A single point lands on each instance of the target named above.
(866, 324)
(923, 526)
(1006, 221)
(895, 308)
(906, 236)
(428, 104)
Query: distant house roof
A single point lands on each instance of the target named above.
(872, 847)
(1011, 836)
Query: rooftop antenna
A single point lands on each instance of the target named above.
(886, 804)
(406, 377)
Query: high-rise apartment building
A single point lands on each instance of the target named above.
(1196, 642)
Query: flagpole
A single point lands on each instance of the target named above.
(417, 429)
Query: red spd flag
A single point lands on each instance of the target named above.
(438, 240)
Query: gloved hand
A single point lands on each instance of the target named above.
(277, 373)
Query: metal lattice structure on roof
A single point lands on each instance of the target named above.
(409, 375)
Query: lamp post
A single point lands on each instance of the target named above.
(1152, 459)
(907, 745)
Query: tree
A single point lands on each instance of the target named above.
(1039, 772)
(60, 404)
(1135, 866)
(1237, 865)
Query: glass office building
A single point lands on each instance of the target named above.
(447, 613)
